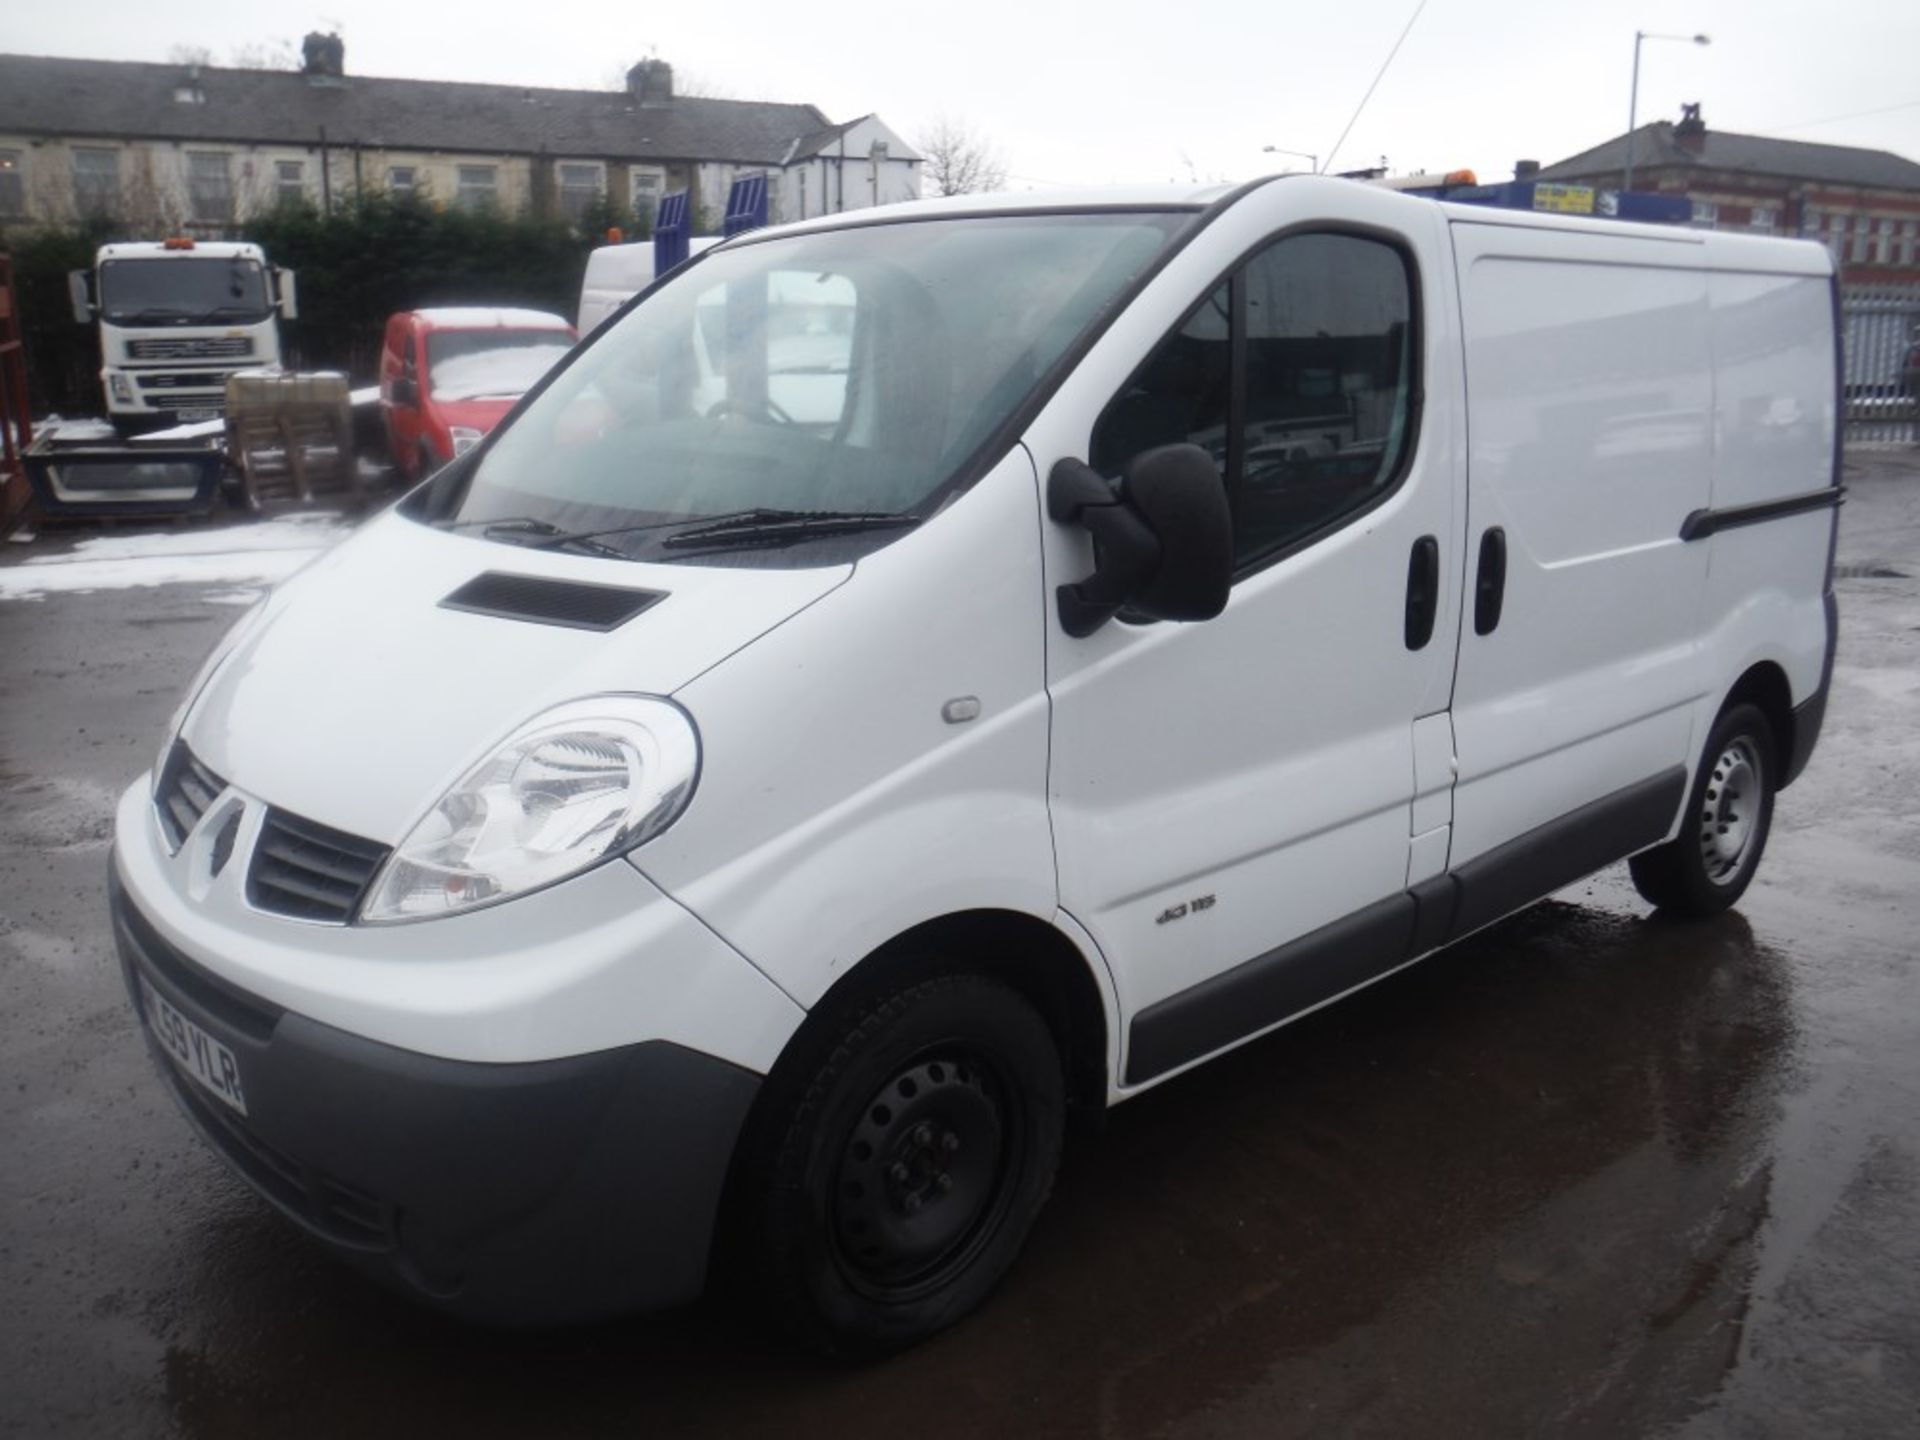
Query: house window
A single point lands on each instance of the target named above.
(1908, 243)
(1705, 213)
(647, 186)
(13, 185)
(1861, 227)
(96, 181)
(580, 189)
(209, 186)
(1883, 244)
(1762, 218)
(479, 187)
(401, 182)
(289, 181)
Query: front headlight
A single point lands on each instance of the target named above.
(575, 786)
(465, 437)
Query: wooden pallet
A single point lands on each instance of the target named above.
(291, 436)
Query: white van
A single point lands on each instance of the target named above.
(687, 834)
(617, 273)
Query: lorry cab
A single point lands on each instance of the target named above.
(921, 673)
(177, 318)
(448, 376)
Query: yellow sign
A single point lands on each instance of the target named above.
(1564, 199)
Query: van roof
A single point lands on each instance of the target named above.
(1723, 250)
(483, 317)
(200, 249)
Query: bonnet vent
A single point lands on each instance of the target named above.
(551, 602)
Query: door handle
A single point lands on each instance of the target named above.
(1490, 587)
(1423, 591)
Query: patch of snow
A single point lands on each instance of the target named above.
(259, 554)
(477, 317)
(365, 395)
(232, 597)
(199, 430)
(78, 429)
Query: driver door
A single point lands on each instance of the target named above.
(1234, 800)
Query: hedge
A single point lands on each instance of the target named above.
(356, 267)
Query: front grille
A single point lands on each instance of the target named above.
(309, 871)
(190, 349)
(213, 380)
(186, 789)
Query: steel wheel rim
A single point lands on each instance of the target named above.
(1729, 817)
(925, 1176)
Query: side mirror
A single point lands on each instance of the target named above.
(289, 295)
(405, 391)
(80, 288)
(1162, 539)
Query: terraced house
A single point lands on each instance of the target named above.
(202, 147)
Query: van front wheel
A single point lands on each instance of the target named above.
(1708, 865)
(912, 1150)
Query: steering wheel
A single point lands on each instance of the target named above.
(767, 411)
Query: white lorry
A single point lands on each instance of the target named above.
(1174, 610)
(177, 317)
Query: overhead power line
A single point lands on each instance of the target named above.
(1376, 85)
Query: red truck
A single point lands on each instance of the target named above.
(448, 376)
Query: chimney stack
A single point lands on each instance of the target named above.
(651, 82)
(1691, 133)
(1525, 169)
(323, 55)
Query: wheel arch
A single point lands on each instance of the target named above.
(1764, 685)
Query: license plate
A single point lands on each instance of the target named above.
(196, 1052)
(191, 413)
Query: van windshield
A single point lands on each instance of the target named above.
(824, 382)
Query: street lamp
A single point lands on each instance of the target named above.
(1633, 101)
(1312, 160)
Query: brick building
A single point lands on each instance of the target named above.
(1863, 204)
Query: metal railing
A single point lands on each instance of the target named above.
(1880, 324)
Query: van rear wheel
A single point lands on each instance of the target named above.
(1709, 864)
(909, 1150)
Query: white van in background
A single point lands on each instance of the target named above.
(617, 273)
(1174, 610)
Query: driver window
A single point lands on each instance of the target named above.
(1307, 348)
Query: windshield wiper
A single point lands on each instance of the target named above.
(543, 534)
(236, 312)
(777, 527)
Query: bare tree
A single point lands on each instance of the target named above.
(264, 55)
(189, 55)
(959, 160)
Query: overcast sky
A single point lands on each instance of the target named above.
(1125, 90)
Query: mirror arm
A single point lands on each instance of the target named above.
(1126, 553)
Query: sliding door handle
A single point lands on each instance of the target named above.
(1490, 586)
(1423, 591)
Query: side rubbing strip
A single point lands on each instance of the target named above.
(1367, 944)
(1269, 988)
(1565, 850)
(1702, 523)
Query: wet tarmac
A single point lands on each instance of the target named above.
(1588, 1174)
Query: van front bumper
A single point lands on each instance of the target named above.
(522, 1192)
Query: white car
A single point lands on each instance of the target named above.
(728, 821)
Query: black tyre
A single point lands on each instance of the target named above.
(1708, 865)
(905, 1152)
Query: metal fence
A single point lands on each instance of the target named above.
(1881, 325)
